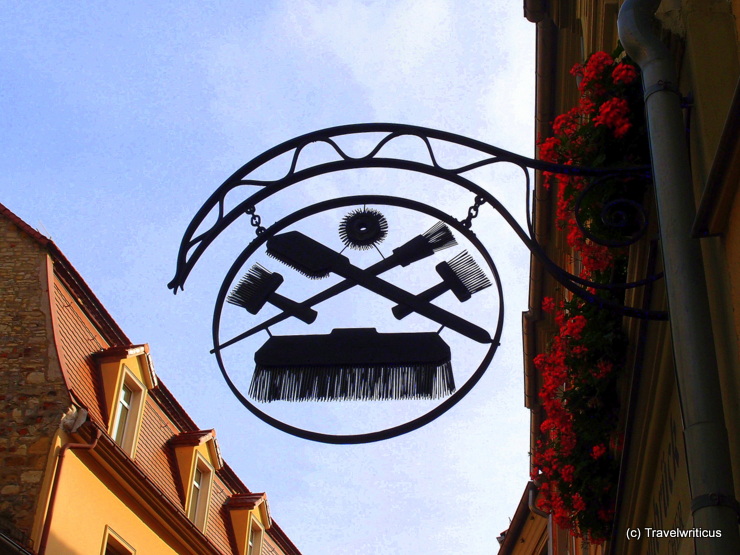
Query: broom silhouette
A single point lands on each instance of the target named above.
(258, 287)
(461, 275)
(435, 239)
(352, 364)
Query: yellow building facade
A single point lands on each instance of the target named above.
(96, 454)
(653, 494)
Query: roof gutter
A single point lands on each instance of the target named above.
(713, 503)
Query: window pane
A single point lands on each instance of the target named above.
(121, 424)
(195, 494)
(255, 540)
(193, 505)
(124, 407)
(115, 547)
(126, 395)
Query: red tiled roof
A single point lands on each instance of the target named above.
(174, 410)
(219, 523)
(77, 343)
(247, 501)
(197, 437)
(159, 431)
(153, 454)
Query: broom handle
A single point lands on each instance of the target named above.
(293, 308)
(400, 311)
(340, 265)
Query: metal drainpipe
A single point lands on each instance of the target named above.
(533, 507)
(713, 504)
(52, 496)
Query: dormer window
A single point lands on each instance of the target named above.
(127, 374)
(198, 457)
(195, 492)
(125, 397)
(129, 407)
(250, 517)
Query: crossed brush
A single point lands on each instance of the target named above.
(309, 257)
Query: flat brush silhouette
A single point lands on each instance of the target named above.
(461, 275)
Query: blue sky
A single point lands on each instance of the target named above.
(118, 120)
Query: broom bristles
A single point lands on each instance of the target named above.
(470, 274)
(439, 237)
(249, 285)
(461, 275)
(352, 383)
(310, 273)
(354, 363)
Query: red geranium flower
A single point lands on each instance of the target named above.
(578, 503)
(597, 451)
(624, 74)
(614, 114)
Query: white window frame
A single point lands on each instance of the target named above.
(135, 409)
(111, 539)
(197, 509)
(256, 533)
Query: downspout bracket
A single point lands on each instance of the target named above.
(662, 86)
(715, 500)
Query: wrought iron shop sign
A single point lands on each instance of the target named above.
(352, 360)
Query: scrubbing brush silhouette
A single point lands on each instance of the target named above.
(259, 286)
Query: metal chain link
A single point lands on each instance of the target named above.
(255, 220)
(473, 212)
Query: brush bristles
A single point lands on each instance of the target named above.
(363, 229)
(249, 286)
(470, 274)
(439, 237)
(310, 274)
(352, 383)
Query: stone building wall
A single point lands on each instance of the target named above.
(33, 398)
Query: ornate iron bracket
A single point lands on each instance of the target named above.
(214, 217)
